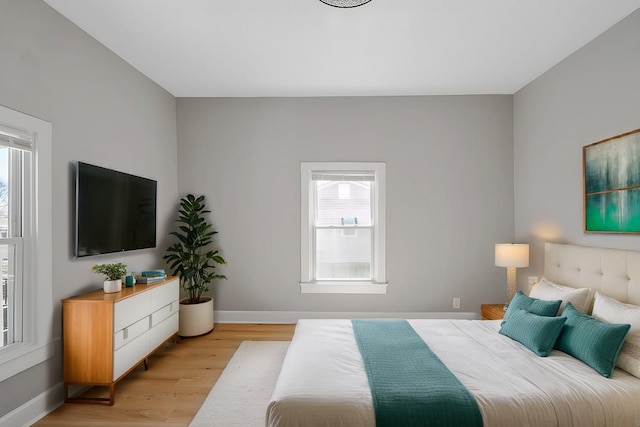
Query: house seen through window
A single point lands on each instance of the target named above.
(343, 227)
(12, 182)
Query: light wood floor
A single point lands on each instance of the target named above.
(170, 393)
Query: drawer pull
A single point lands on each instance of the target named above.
(125, 333)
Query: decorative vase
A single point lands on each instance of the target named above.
(195, 319)
(130, 280)
(111, 286)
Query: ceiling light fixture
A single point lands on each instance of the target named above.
(345, 3)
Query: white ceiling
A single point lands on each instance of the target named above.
(237, 48)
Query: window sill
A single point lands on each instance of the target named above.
(343, 288)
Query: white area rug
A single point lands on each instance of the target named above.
(240, 396)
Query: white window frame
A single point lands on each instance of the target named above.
(36, 344)
(378, 284)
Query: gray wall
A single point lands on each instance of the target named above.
(592, 95)
(103, 112)
(449, 193)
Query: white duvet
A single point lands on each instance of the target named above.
(323, 381)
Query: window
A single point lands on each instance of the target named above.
(25, 242)
(342, 228)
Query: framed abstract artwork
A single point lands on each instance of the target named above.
(612, 184)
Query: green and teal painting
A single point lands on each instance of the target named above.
(612, 185)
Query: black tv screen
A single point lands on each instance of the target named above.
(115, 211)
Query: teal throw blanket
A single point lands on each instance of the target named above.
(410, 386)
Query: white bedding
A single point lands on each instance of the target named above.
(323, 381)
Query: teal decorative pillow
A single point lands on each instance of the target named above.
(532, 305)
(594, 342)
(538, 333)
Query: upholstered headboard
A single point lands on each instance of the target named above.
(613, 272)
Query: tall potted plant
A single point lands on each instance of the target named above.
(190, 259)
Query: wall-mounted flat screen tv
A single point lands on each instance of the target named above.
(114, 211)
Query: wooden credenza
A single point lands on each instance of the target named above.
(105, 336)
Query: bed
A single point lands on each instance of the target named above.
(324, 381)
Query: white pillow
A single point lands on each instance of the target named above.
(580, 297)
(611, 310)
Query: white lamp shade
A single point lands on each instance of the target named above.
(512, 255)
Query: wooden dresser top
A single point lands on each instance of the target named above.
(100, 295)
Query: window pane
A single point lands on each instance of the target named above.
(7, 254)
(343, 202)
(7, 274)
(343, 253)
(4, 258)
(4, 192)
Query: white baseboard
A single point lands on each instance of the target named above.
(36, 408)
(222, 316)
(41, 405)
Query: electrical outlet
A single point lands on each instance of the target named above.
(533, 280)
(456, 303)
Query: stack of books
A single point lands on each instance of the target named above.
(151, 276)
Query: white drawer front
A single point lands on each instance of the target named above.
(126, 357)
(163, 331)
(166, 311)
(130, 310)
(163, 295)
(131, 332)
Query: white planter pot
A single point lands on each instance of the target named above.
(196, 319)
(111, 286)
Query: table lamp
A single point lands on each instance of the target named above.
(511, 255)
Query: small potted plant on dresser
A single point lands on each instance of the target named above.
(190, 259)
(113, 274)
